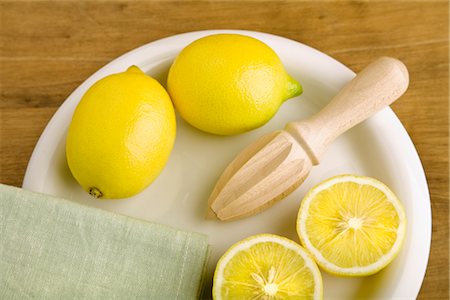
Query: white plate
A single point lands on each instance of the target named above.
(380, 147)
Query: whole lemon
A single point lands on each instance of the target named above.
(229, 83)
(121, 135)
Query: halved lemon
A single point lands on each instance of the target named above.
(267, 266)
(352, 225)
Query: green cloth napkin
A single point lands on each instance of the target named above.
(52, 248)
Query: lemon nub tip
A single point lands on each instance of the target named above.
(94, 192)
(135, 69)
(293, 89)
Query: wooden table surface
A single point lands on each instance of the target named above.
(48, 48)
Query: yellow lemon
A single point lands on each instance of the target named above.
(352, 225)
(121, 135)
(267, 266)
(229, 83)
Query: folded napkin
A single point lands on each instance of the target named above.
(52, 248)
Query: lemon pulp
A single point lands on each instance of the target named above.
(267, 266)
(352, 225)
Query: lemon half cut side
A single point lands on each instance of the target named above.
(352, 225)
(267, 266)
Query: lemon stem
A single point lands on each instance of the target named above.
(94, 192)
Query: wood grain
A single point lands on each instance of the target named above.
(48, 48)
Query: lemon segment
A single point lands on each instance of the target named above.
(352, 225)
(229, 83)
(267, 266)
